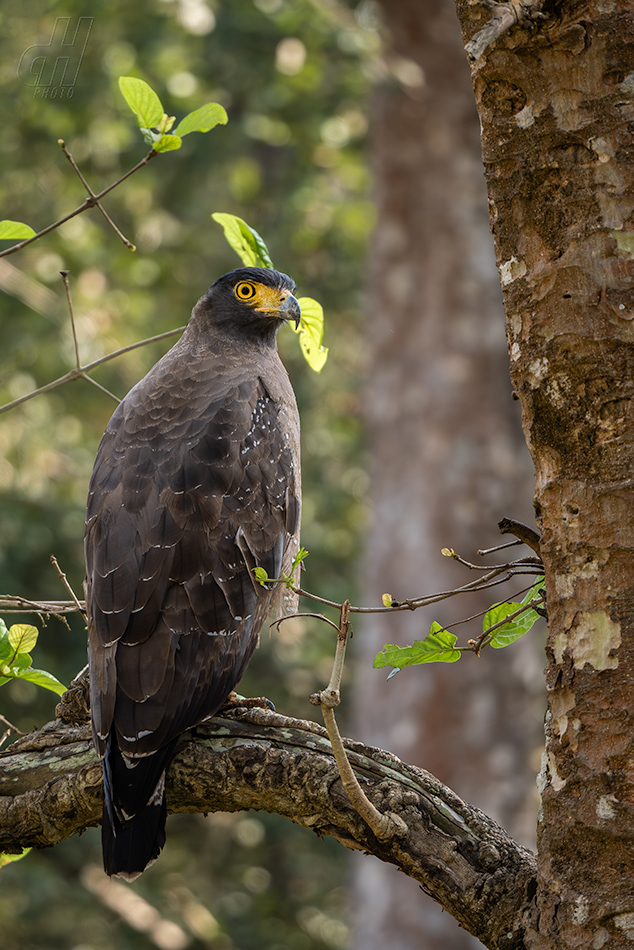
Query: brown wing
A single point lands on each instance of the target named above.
(187, 496)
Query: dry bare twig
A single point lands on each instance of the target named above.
(80, 372)
(81, 609)
(384, 826)
(91, 201)
(91, 193)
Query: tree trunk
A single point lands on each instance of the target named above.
(448, 461)
(555, 98)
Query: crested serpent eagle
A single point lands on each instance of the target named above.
(195, 484)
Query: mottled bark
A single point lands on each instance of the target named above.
(448, 461)
(50, 788)
(556, 102)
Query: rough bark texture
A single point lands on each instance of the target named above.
(50, 788)
(448, 461)
(556, 101)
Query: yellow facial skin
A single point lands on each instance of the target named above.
(260, 296)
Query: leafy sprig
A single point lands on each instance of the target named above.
(503, 624)
(16, 644)
(156, 125)
(437, 647)
(264, 580)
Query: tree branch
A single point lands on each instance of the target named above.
(91, 193)
(496, 574)
(383, 825)
(523, 533)
(90, 202)
(79, 372)
(50, 789)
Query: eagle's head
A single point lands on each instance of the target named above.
(254, 301)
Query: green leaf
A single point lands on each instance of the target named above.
(299, 557)
(311, 333)
(498, 612)
(6, 650)
(143, 101)
(516, 628)
(244, 240)
(23, 637)
(437, 647)
(9, 858)
(42, 678)
(22, 662)
(15, 230)
(167, 143)
(261, 576)
(202, 120)
(289, 579)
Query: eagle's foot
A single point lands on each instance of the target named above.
(235, 701)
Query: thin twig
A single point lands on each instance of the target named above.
(93, 382)
(483, 552)
(49, 608)
(280, 620)
(485, 637)
(88, 203)
(498, 575)
(16, 604)
(480, 613)
(81, 372)
(7, 732)
(66, 584)
(75, 168)
(66, 282)
(11, 726)
(384, 826)
(521, 562)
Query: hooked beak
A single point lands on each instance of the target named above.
(291, 310)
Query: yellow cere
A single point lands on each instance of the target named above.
(260, 296)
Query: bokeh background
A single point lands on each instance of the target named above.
(352, 146)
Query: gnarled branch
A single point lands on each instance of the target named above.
(50, 789)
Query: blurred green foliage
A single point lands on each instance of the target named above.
(293, 76)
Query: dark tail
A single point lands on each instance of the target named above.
(134, 810)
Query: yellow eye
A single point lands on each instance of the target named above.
(244, 290)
